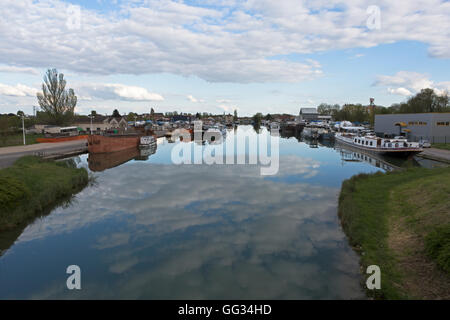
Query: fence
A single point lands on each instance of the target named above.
(432, 139)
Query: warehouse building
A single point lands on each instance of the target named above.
(434, 127)
(308, 114)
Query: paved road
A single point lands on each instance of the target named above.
(436, 154)
(10, 154)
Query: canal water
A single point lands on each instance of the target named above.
(150, 229)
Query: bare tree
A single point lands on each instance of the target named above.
(57, 103)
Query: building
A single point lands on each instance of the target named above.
(180, 117)
(157, 116)
(100, 123)
(325, 118)
(280, 118)
(308, 114)
(434, 127)
(43, 128)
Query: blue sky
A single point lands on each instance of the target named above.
(217, 56)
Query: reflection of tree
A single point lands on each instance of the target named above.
(257, 118)
(257, 121)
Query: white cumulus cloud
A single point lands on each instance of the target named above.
(407, 83)
(232, 42)
(118, 91)
(400, 91)
(13, 69)
(18, 90)
(192, 99)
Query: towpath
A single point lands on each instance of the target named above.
(10, 154)
(436, 154)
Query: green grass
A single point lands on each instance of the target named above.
(370, 205)
(32, 185)
(437, 245)
(444, 146)
(17, 139)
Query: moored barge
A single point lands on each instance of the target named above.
(118, 142)
(371, 143)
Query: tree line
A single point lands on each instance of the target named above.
(427, 100)
(58, 104)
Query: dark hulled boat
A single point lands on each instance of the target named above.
(112, 143)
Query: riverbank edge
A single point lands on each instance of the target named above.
(366, 216)
(433, 157)
(32, 185)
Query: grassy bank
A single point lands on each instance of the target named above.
(32, 185)
(400, 221)
(17, 139)
(444, 146)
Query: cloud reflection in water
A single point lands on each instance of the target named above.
(207, 232)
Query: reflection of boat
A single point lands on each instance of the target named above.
(374, 144)
(215, 134)
(318, 131)
(112, 143)
(148, 151)
(103, 161)
(274, 126)
(311, 142)
(327, 134)
(328, 143)
(310, 132)
(351, 154)
(147, 142)
(218, 129)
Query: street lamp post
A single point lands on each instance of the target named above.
(90, 128)
(23, 129)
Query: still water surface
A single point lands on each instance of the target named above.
(149, 229)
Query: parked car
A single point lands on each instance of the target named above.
(424, 143)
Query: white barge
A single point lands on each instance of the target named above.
(371, 143)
